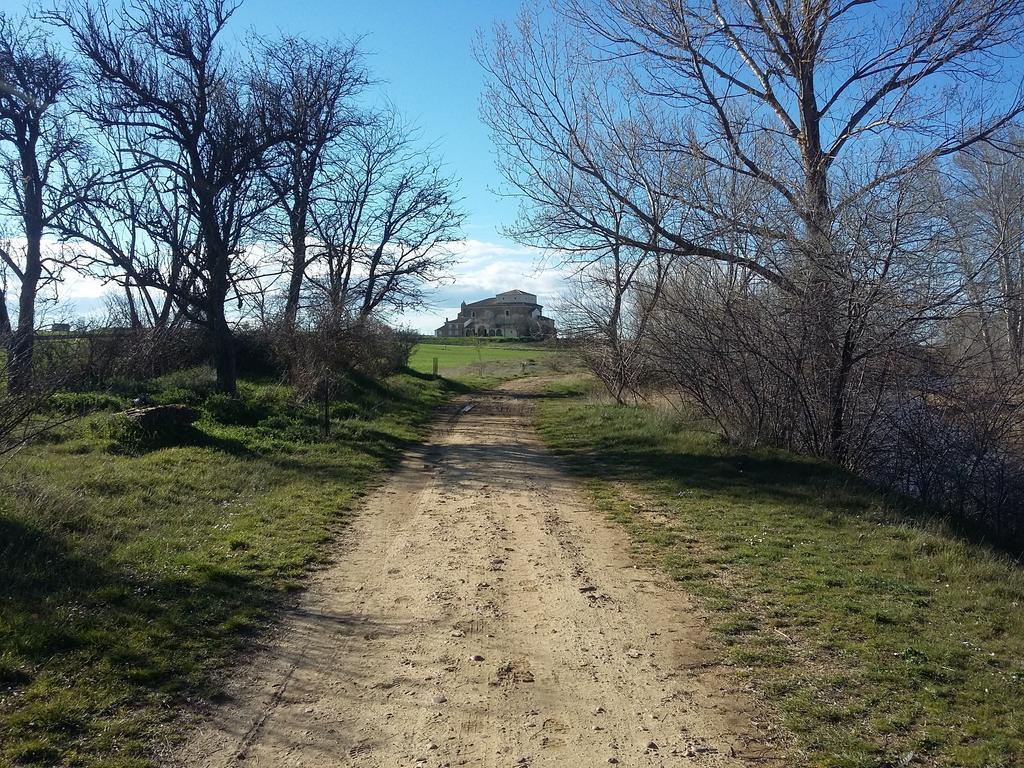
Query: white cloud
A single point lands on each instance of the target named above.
(484, 269)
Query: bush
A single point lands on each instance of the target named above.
(250, 406)
(256, 355)
(190, 386)
(231, 409)
(125, 435)
(90, 360)
(82, 403)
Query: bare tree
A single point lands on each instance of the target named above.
(317, 83)
(201, 125)
(790, 141)
(986, 219)
(384, 229)
(41, 155)
(136, 233)
(608, 309)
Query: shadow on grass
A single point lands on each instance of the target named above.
(127, 627)
(738, 476)
(703, 463)
(179, 437)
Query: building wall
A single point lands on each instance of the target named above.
(512, 314)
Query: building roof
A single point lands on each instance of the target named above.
(482, 302)
(493, 300)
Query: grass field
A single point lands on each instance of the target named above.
(134, 573)
(874, 639)
(482, 361)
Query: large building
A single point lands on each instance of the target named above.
(513, 313)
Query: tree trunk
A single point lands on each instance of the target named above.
(133, 312)
(5, 318)
(291, 307)
(22, 341)
(225, 355)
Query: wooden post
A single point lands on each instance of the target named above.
(435, 367)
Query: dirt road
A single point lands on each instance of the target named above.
(480, 614)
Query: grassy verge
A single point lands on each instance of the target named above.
(132, 573)
(878, 640)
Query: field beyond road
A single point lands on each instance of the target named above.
(481, 360)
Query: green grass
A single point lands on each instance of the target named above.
(134, 571)
(873, 636)
(486, 362)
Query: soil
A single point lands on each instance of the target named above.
(478, 612)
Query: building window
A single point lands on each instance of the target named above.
(472, 314)
(506, 313)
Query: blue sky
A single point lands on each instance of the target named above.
(422, 52)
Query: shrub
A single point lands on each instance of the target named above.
(125, 435)
(190, 386)
(81, 403)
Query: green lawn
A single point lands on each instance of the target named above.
(484, 360)
(875, 638)
(134, 573)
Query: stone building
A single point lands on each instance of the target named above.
(513, 313)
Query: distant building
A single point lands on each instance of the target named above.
(513, 314)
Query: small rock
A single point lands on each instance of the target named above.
(651, 745)
(476, 657)
(440, 698)
(613, 760)
(458, 633)
(633, 653)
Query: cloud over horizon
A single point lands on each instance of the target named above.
(482, 269)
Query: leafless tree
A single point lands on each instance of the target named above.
(41, 156)
(136, 233)
(607, 311)
(986, 221)
(317, 83)
(201, 125)
(793, 142)
(384, 230)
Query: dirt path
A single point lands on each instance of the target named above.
(479, 614)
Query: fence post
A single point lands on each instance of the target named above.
(435, 367)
